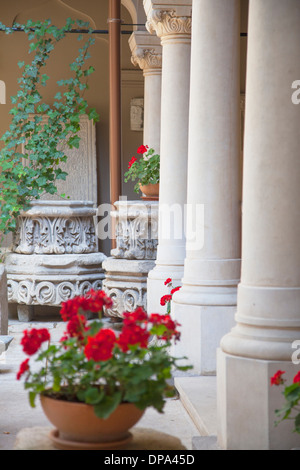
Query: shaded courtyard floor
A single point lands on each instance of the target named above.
(16, 413)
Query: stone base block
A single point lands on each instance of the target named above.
(246, 404)
(49, 280)
(202, 328)
(126, 283)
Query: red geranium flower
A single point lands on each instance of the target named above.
(170, 325)
(142, 149)
(175, 289)
(131, 335)
(33, 339)
(71, 308)
(139, 315)
(23, 368)
(131, 162)
(277, 378)
(297, 378)
(168, 281)
(93, 301)
(77, 326)
(165, 299)
(100, 347)
(96, 300)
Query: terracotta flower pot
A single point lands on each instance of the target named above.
(151, 191)
(78, 427)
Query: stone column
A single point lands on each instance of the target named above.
(206, 303)
(268, 312)
(147, 54)
(172, 24)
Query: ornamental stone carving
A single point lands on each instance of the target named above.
(54, 257)
(126, 283)
(146, 58)
(136, 230)
(41, 230)
(167, 22)
(126, 271)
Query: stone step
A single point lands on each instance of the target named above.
(199, 397)
(5, 341)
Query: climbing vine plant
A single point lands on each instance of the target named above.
(43, 139)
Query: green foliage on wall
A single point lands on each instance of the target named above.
(43, 139)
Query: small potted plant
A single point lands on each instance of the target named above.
(95, 384)
(145, 171)
(291, 408)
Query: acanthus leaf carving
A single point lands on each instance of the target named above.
(166, 22)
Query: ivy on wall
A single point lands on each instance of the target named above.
(43, 139)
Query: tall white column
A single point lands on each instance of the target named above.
(147, 54)
(173, 25)
(206, 303)
(268, 312)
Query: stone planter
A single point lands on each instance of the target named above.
(54, 256)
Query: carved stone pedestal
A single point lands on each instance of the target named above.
(54, 256)
(126, 283)
(127, 270)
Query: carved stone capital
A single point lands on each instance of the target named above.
(56, 228)
(146, 50)
(136, 230)
(147, 59)
(168, 23)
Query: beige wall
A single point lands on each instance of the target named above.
(14, 48)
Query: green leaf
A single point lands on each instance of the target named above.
(94, 395)
(108, 405)
(32, 396)
(93, 115)
(297, 423)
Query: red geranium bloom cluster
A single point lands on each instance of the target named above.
(96, 300)
(168, 297)
(170, 325)
(70, 308)
(165, 299)
(93, 301)
(23, 368)
(277, 378)
(175, 289)
(77, 326)
(133, 334)
(100, 347)
(131, 162)
(33, 339)
(142, 149)
(297, 378)
(139, 315)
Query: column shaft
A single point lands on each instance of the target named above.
(212, 266)
(175, 32)
(268, 309)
